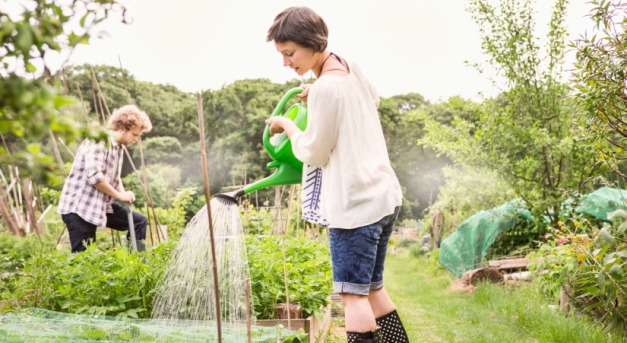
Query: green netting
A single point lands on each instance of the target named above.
(37, 325)
(466, 248)
(602, 201)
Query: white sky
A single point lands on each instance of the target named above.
(403, 46)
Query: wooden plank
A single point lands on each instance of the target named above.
(295, 324)
(520, 263)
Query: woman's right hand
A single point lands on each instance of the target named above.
(305, 93)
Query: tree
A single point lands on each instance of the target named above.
(524, 135)
(31, 105)
(601, 81)
(418, 168)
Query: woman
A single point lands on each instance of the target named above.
(360, 194)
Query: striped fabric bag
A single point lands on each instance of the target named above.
(312, 187)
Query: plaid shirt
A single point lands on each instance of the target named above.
(93, 163)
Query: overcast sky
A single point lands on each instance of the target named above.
(403, 46)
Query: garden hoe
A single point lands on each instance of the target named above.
(288, 168)
(131, 227)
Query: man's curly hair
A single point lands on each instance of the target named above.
(129, 117)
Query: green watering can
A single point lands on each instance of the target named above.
(288, 168)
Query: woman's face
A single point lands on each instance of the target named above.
(297, 57)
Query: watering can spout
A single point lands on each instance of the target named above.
(230, 197)
(284, 175)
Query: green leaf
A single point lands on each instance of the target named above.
(604, 237)
(601, 279)
(616, 271)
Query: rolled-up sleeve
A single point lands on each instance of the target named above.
(95, 162)
(314, 145)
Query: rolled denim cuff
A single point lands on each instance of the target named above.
(351, 288)
(376, 285)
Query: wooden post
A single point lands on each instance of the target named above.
(205, 171)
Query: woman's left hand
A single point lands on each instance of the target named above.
(276, 124)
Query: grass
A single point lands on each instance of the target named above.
(432, 312)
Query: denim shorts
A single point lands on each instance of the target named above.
(358, 256)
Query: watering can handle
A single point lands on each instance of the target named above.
(278, 110)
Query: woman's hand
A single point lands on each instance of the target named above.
(277, 124)
(305, 93)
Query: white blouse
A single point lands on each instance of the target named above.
(345, 138)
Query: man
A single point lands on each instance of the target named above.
(88, 196)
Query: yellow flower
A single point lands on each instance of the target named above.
(571, 250)
(562, 227)
(619, 150)
(559, 222)
(596, 257)
(576, 223)
(580, 258)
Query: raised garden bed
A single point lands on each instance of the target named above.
(316, 328)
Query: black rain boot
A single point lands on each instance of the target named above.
(392, 330)
(363, 337)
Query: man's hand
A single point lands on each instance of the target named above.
(127, 196)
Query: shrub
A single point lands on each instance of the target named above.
(308, 273)
(114, 282)
(593, 267)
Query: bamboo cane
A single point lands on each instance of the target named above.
(203, 157)
(141, 159)
(43, 214)
(57, 154)
(6, 215)
(98, 97)
(80, 95)
(72, 153)
(29, 209)
(286, 281)
(128, 97)
(148, 196)
(248, 316)
(298, 209)
(289, 208)
(63, 79)
(16, 204)
(6, 147)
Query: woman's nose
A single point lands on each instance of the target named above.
(286, 61)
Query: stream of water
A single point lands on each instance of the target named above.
(186, 290)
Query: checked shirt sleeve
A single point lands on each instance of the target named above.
(95, 162)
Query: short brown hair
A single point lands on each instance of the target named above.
(129, 117)
(300, 25)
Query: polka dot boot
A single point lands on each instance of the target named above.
(363, 337)
(392, 330)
